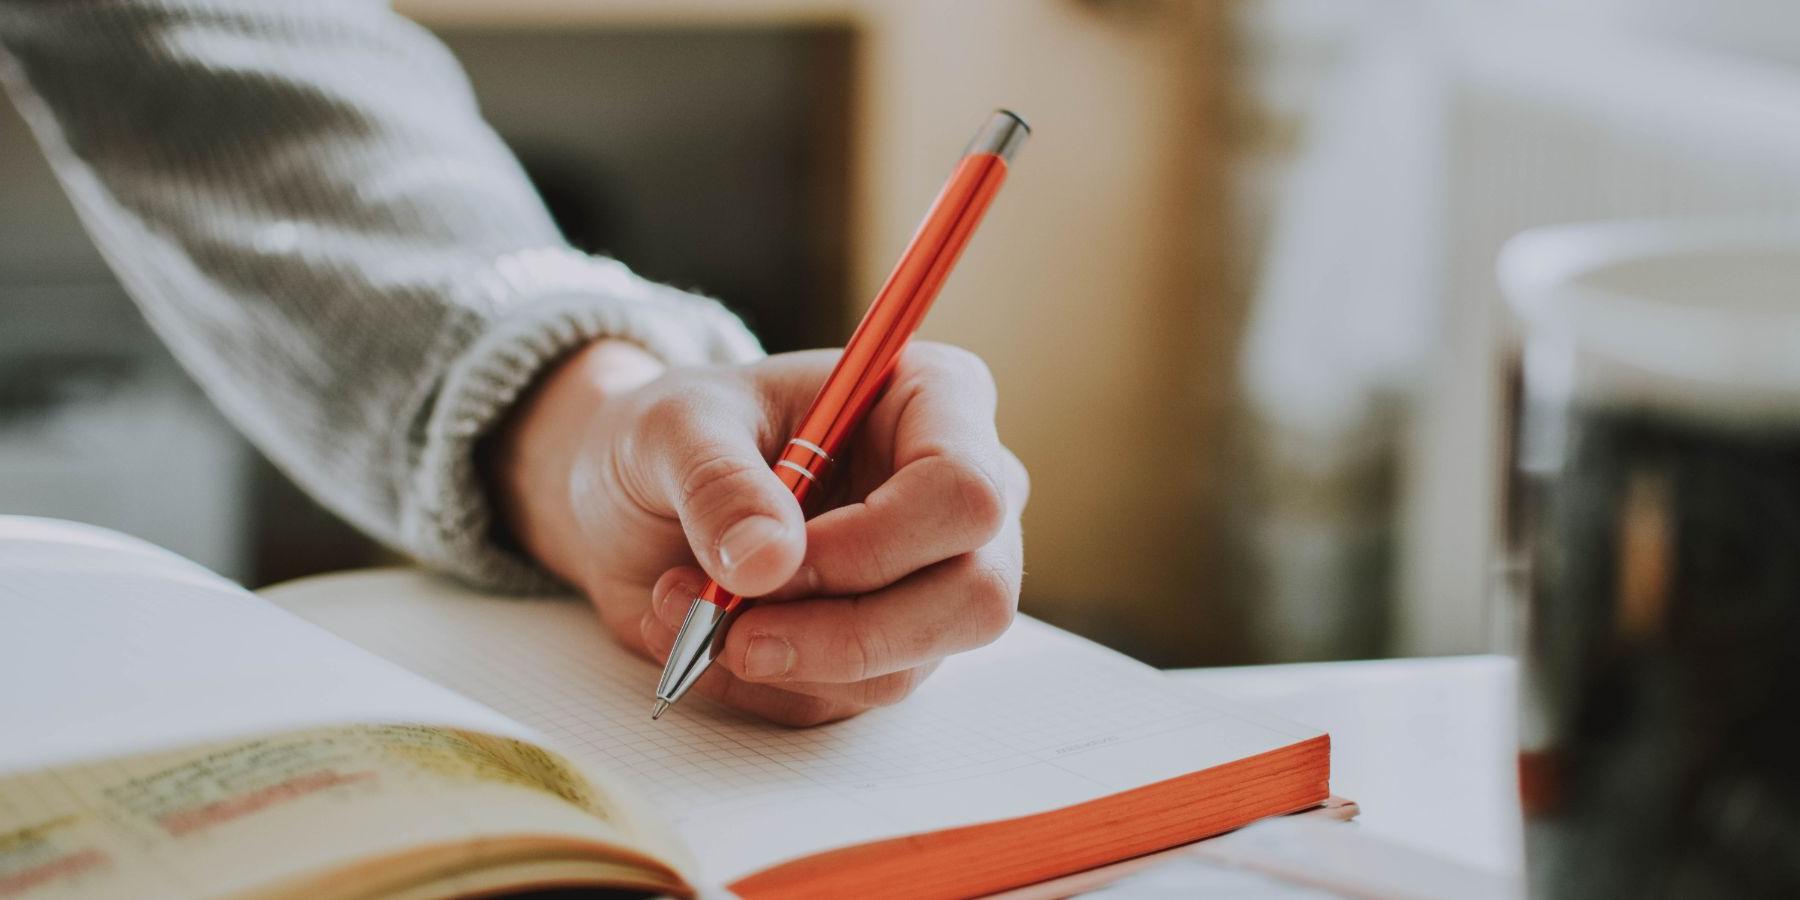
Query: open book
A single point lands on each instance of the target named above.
(164, 733)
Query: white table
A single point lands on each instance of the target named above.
(1426, 747)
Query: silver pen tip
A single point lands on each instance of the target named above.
(662, 706)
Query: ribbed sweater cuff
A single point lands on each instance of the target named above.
(548, 304)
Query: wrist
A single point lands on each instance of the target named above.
(528, 458)
(606, 368)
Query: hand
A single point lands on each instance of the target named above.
(619, 476)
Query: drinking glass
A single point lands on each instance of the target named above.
(1653, 552)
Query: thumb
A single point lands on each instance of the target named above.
(745, 527)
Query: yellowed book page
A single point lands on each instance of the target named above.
(360, 810)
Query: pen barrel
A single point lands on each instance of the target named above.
(872, 352)
(802, 467)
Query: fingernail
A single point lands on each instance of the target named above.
(805, 583)
(768, 656)
(808, 579)
(746, 539)
(657, 636)
(673, 605)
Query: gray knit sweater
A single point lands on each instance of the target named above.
(304, 201)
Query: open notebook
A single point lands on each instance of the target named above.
(169, 734)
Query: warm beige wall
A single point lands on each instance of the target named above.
(1094, 289)
(1084, 292)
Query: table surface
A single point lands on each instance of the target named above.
(1426, 747)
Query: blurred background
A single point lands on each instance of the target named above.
(1238, 296)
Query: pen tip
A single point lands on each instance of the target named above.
(662, 706)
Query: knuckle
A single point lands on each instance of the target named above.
(967, 367)
(868, 551)
(1018, 478)
(993, 599)
(858, 649)
(807, 710)
(891, 689)
(713, 481)
(979, 495)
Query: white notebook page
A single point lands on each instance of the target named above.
(1037, 721)
(111, 646)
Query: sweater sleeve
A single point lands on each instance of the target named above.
(305, 203)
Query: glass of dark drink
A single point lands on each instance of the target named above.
(1653, 557)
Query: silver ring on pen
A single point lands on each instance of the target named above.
(798, 468)
(815, 448)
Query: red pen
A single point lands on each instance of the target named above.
(860, 374)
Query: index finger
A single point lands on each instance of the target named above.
(950, 490)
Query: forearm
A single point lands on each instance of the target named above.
(309, 210)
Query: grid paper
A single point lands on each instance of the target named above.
(1037, 721)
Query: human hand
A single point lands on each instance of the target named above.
(619, 476)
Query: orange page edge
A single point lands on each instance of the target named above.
(996, 856)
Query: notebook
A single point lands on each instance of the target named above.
(387, 733)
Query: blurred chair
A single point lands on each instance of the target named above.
(1376, 350)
